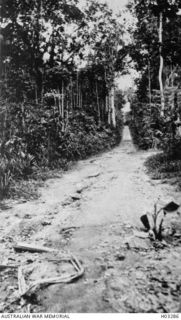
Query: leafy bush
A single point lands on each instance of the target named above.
(144, 125)
(36, 137)
(5, 177)
(14, 163)
(163, 166)
(84, 138)
(151, 130)
(170, 140)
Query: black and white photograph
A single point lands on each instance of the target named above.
(90, 159)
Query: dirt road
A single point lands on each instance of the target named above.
(94, 212)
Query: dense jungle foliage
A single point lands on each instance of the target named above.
(58, 103)
(156, 105)
(58, 64)
(155, 50)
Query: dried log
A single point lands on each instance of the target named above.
(64, 258)
(3, 267)
(21, 246)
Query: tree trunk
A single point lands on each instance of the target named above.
(112, 108)
(36, 94)
(81, 104)
(109, 108)
(58, 104)
(63, 119)
(71, 95)
(49, 149)
(77, 89)
(149, 82)
(42, 91)
(161, 63)
(98, 106)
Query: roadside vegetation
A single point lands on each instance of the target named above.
(156, 105)
(167, 169)
(58, 101)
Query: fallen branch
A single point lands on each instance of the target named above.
(75, 266)
(74, 259)
(67, 229)
(94, 175)
(32, 248)
(45, 282)
(23, 290)
(21, 282)
(3, 267)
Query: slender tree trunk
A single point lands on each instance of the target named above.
(112, 107)
(81, 105)
(77, 85)
(71, 95)
(108, 109)
(74, 100)
(58, 105)
(5, 76)
(161, 63)
(107, 104)
(67, 116)
(149, 81)
(63, 106)
(172, 76)
(42, 91)
(23, 119)
(98, 106)
(5, 123)
(49, 149)
(36, 94)
(80, 97)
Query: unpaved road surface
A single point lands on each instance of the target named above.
(93, 211)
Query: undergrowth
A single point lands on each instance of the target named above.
(164, 167)
(42, 150)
